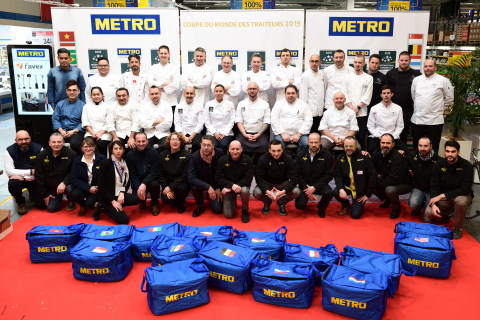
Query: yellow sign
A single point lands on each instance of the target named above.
(252, 4)
(115, 3)
(399, 6)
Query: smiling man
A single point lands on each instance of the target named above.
(284, 74)
(451, 188)
(104, 79)
(135, 81)
(199, 76)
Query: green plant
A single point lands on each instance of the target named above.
(464, 74)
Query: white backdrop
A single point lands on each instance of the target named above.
(243, 31)
(117, 31)
(366, 32)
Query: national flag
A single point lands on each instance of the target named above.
(66, 36)
(415, 49)
(154, 229)
(206, 233)
(257, 240)
(353, 279)
(56, 230)
(99, 250)
(227, 252)
(106, 233)
(176, 248)
(312, 253)
(421, 239)
(281, 271)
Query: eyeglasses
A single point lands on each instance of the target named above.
(174, 139)
(87, 147)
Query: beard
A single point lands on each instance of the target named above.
(385, 152)
(24, 148)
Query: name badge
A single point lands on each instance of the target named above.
(180, 111)
(360, 172)
(210, 109)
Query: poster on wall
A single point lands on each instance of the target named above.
(243, 33)
(384, 32)
(29, 67)
(116, 33)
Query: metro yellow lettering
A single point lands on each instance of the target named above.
(351, 26)
(361, 25)
(136, 24)
(383, 26)
(146, 255)
(150, 24)
(339, 26)
(371, 26)
(115, 24)
(102, 24)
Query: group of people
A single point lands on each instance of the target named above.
(327, 117)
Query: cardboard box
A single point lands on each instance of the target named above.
(5, 226)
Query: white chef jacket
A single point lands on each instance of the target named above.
(199, 78)
(189, 118)
(385, 119)
(253, 114)
(312, 91)
(358, 88)
(137, 86)
(158, 74)
(123, 119)
(333, 78)
(150, 112)
(261, 78)
(338, 122)
(109, 84)
(219, 117)
(229, 79)
(95, 116)
(291, 118)
(430, 96)
(285, 74)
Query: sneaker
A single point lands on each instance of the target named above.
(266, 208)
(22, 209)
(155, 210)
(142, 205)
(245, 216)
(71, 206)
(82, 211)
(282, 210)
(395, 214)
(343, 211)
(457, 232)
(197, 212)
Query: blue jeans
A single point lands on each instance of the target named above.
(303, 142)
(55, 203)
(418, 199)
(197, 192)
(356, 208)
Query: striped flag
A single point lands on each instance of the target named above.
(177, 247)
(99, 250)
(353, 279)
(155, 229)
(106, 233)
(227, 252)
(66, 38)
(420, 239)
(55, 230)
(206, 233)
(257, 240)
(282, 271)
(312, 253)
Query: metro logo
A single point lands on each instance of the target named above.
(125, 24)
(31, 53)
(360, 27)
(221, 53)
(129, 51)
(294, 53)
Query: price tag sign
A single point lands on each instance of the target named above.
(252, 4)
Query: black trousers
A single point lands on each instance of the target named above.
(84, 199)
(325, 191)
(120, 216)
(433, 132)
(180, 193)
(15, 188)
(154, 189)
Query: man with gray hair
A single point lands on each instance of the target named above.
(198, 75)
(234, 176)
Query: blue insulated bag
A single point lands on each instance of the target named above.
(321, 258)
(176, 286)
(167, 249)
(376, 261)
(53, 243)
(121, 232)
(424, 228)
(268, 243)
(213, 233)
(355, 294)
(289, 284)
(101, 261)
(429, 255)
(143, 237)
(229, 266)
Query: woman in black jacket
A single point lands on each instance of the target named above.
(84, 176)
(114, 181)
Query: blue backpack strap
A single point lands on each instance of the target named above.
(198, 265)
(198, 242)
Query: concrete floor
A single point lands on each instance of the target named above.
(7, 134)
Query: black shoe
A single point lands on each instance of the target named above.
(457, 233)
(181, 208)
(71, 206)
(96, 212)
(82, 211)
(142, 205)
(282, 210)
(22, 209)
(197, 212)
(155, 209)
(385, 204)
(415, 212)
(321, 213)
(266, 208)
(395, 214)
(245, 216)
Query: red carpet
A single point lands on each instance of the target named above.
(49, 291)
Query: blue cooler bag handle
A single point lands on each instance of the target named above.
(237, 234)
(279, 235)
(198, 266)
(303, 269)
(408, 271)
(261, 261)
(144, 288)
(225, 230)
(330, 248)
(199, 242)
(292, 248)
